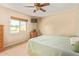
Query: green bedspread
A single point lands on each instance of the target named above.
(50, 46)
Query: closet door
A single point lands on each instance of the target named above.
(1, 37)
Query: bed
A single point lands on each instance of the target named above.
(50, 46)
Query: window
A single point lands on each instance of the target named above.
(14, 26)
(23, 26)
(17, 26)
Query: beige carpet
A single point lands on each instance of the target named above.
(19, 50)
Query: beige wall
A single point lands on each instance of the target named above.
(10, 38)
(63, 23)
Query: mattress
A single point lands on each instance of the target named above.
(50, 46)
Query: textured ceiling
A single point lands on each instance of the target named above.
(53, 8)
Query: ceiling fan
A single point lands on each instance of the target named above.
(39, 6)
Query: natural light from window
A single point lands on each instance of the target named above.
(17, 26)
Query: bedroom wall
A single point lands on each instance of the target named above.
(77, 22)
(63, 23)
(10, 38)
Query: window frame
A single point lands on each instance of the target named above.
(17, 26)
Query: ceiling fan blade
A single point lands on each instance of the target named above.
(29, 6)
(45, 4)
(42, 10)
(36, 4)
